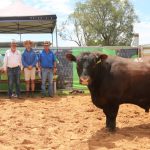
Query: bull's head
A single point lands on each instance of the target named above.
(86, 63)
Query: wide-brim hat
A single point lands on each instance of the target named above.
(47, 43)
(27, 42)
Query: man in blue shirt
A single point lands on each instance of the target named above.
(47, 63)
(29, 61)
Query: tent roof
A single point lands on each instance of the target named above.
(20, 18)
(27, 24)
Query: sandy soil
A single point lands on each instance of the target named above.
(69, 123)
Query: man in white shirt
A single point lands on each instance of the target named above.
(12, 65)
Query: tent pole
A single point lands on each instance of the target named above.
(52, 39)
(56, 38)
(20, 38)
(55, 89)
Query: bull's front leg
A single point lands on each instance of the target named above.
(111, 112)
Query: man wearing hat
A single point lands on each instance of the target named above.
(29, 61)
(12, 65)
(47, 62)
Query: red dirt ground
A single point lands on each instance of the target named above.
(69, 123)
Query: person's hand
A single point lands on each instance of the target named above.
(54, 70)
(4, 71)
(39, 69)
(22, 70)
(30, 67)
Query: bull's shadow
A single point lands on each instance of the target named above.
(102, 139)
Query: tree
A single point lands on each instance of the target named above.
(71, 30)
(105, 22)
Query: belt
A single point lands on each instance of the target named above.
(13, 67)
(47, 68)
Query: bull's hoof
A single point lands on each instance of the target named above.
(111, 130)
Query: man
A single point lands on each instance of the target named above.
(29, 61)
(12, 65)
(47, 62)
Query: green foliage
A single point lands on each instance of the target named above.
(105, 22)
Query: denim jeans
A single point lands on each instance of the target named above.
(47, 74)
(13, 78)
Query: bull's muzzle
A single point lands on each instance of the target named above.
(84, 80)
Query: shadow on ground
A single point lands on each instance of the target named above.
(131, 135)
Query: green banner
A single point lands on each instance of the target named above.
(78, 51)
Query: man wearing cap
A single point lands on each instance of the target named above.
(47, 63)
(12, 65)
(29, 61)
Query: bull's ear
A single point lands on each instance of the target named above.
(101, 57)
(71, 57)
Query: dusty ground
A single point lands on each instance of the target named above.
(69, 123)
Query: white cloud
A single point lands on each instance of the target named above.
(60, 7)
(143, 28)
(5, 3)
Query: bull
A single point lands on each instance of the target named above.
(113, 81)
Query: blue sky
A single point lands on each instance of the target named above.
(62, 8)
(142, 9)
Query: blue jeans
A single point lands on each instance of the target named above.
(47, 74)
(13, 78)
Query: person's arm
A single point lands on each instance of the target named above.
(23, 61)
(39, 62)
(20, 60)
(54, 67)
(55, 64)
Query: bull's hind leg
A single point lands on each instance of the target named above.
(111, 112)
(147, 109)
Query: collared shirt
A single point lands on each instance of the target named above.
(29, 58)
(47, 59)
(12, 59)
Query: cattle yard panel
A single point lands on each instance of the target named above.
(145, 51)
(67, 75)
